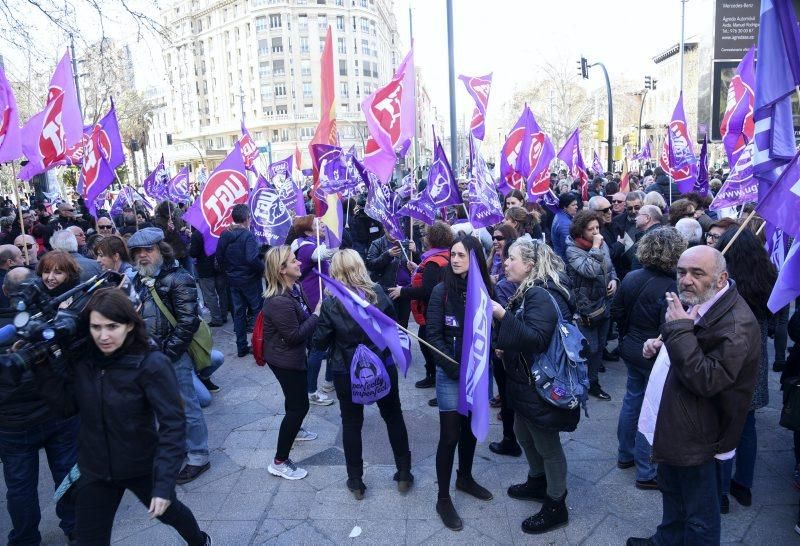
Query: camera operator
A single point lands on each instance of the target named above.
(27, 425)
(121, 386)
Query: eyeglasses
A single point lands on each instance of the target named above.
(498, 238)
(617, 201)
(605, 210)
(105, 226)
(712, 236)
(634, 208)
(29, 246)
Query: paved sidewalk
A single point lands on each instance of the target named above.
(238, 502)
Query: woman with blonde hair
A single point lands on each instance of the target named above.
(526, 326)
(288, 325)
(339, 331)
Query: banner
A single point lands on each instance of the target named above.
(571, 155)
(270, 220)
(478, 88)
(741, 186)
(484, 204)
(178, 187)
(442, 187)
(682, 161)
(701, 185)
(10, 136)
(156, 185)
(249, 150)
(102, 153)
(738, 127)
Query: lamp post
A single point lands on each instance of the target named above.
(193, 145)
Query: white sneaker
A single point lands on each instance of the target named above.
(305, 436)
(327, 386)
(287, 469)
(319, 399)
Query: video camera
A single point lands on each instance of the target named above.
(44, 322)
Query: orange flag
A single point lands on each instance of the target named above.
(326, 130)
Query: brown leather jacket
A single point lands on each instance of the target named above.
(287, 331)
(712, 375)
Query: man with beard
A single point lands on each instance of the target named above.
(698, 395)
(166, 288)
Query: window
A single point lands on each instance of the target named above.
(321, 44)
(280, 90)
(281, 111)
(340, 22)
(277, 45)
(284, 135)
(365, 47)
(343, 89)
(264, 69)
(340, 47)
(266, 92)
(322, 22)
(275, 21)
(219, 143)
(303, 44)
(307, 91)
(267, 110)
(234, 140)
(306, 133)
(302, 22)
(258, 135)
(277, 68)
(261, 24)
(373, 49)
(305, 67)
(364, 25)
(343, 67)
(367, 70)
(263, 47)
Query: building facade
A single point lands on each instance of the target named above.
(259, 61)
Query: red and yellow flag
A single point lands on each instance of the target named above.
(326, 130)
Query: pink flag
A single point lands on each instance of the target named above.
(390, 113)
(10, 138)
(478, 87)
(211, 212)
(102, 153)
(249, 150)
(47, 135)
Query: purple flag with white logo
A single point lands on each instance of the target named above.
(249, 150)
(473, 383)
(279, 175)
(550, 200)
(682, 161)
(644, 153)
(406, 186)
(741, 186)
(334, 169)
(380, 329)
(701, 184)
(442, 187)
(101, 153)
(382, 203)
(525, 157)
(781, 204)
(484, 204)
(178, 187)
(48, 135)
(571, 155)
(478, 88)
(597, 167)
(10, 137)
(156, 185)
(420, 207)
(227, 186)
(787, 286)
(737, 126)
(125, 197)
(270, 220)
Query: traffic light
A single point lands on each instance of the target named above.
(583, 68)
(650, 82)
(617, 153)
(600, 129)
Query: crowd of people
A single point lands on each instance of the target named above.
(644, 267)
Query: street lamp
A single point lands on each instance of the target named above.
(170, 140)
(649, 85)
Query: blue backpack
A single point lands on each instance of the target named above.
(559, 373)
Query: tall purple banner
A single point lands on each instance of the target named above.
(270, 220)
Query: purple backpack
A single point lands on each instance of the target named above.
(369, 381)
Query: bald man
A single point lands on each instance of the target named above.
(23, 241)
(705, 381)
(10, 256)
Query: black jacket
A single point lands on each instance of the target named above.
(176, 288)
(383, 266)
(120, 398)
(639, 307)
(446, 338)
(337, 329)
(237, 254)
(526, 329)
(287, 329)
(710, 382)
(662, 186)
(206, 265)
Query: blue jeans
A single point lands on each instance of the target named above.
(203, 396)
(314, 363)
(745, 458)
(633, 446)
(691, 505)
(196, 431)
(596, 338)
(19, 451)
(244, 295)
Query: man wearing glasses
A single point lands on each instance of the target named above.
(66, 215)
(27, 243)
(105, 226)
(624, 229)
(617, 204)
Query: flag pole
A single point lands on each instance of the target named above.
(19, 212)
(319, 256)
(739, 231)
(452, 81)
(761, 228)
(428, 345)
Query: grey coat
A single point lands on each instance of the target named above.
(590, 271)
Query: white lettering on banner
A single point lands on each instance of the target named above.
(480, 346)
(227, 194)
(796, 188)
(52, 132)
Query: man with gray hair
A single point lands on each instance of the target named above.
(691, 230)
(624, 229)
(698, 395)
(65, 240)
(10, 256)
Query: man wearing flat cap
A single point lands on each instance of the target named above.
(162, 285)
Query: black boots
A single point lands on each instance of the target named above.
(427, 383)
(446, 511)
(506, 447)
(534, 489)
(403, 476)
(553, 515)
(356, 487)
(468, 485)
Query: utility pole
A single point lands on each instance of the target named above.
(649, 85)
(683, 20)
(416, 121)
(452, 77)
(583, 71)
(75, 74)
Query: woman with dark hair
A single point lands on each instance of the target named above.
(523, 222)
(445, 323)
(682, 208)
(594, 283)
(112, 254)
(168, 217)
(514, 198)
(639, 308)
(119, 445)
(59, 272)
(502, 235)
(750, 268)
(567, 209)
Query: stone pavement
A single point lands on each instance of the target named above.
(238, 502)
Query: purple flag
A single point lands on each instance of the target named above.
(211, 211)
(787, 287)
(282, 168)
(178, 187)
(682, 161)
(406, 187)
(382, 203)
(49, 134)
(280, 176)
(737, 126)
(335, 175)
(478, 87)
(701, 184)
(549, 200)
(571, 155)
(740, 187)
(597, 167)
(270, 218)
(777, 75)
(380, 329)
(644, 153)
(124, 198)
(420, 207)
(102, 153)
(473, 383)
(484, 205)
(156, 185)
(10, 137)
(781, 203)
(442, 187)
(249, 150)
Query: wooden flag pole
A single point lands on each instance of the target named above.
(739, 231)
(428, 345)
(19, 213)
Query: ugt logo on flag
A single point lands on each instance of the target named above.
(224, 189)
